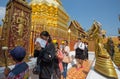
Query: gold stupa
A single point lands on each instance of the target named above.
(103, 64)
(51, 16)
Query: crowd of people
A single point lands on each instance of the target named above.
(52, 58)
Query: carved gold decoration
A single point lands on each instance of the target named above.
(18, 26)
(46, 16)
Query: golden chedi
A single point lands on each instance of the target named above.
(51, 16)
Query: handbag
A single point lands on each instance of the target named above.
(66, 59)
(37, 69)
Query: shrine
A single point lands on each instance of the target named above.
(16, 25)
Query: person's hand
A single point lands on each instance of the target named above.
(7, 71)
(38, 46)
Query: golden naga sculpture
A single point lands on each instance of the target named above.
(116, 57)
(103, 64)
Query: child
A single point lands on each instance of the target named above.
(21, 70)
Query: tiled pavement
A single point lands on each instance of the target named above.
(73, 73)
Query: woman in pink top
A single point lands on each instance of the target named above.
(58, 62)
(60, 58)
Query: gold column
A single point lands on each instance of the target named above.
(69, 32)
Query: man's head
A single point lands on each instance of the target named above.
(18, 53)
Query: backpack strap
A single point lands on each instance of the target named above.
(20, 68)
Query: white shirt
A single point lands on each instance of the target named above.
(81, 46)
(67, 49)
(76, 45)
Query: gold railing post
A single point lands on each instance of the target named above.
(4, 48)
(69, 32)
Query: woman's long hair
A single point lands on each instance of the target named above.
(50, 39)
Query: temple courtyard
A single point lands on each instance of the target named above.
(87, 72)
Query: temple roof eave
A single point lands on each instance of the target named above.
(78, 27)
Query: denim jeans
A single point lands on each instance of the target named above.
(65, 69)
